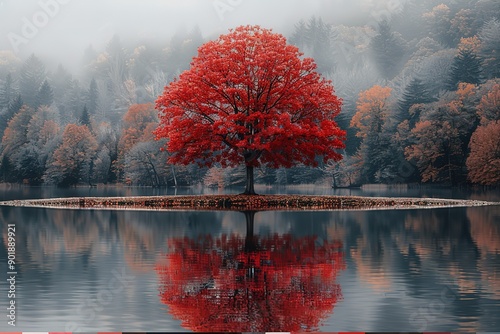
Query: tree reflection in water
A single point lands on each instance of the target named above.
(255, 284)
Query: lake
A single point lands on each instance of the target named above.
(390, 270)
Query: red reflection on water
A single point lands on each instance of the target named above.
(276, 283)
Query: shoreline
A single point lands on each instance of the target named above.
(244, 203)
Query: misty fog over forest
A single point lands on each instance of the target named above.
(419, 80)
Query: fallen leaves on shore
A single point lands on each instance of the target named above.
(245, 203)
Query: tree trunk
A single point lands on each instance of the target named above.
(175, 177)
(91, 171)
(155, 174)
(250, 245)
(249, 189)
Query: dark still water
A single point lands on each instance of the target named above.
(412, 270)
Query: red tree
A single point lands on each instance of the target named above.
(250, 98)
(230, 284)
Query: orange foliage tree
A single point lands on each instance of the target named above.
(459, 109)
(489, 107)
(370, 119)
(471, 43)
(250, 99)
(462, 24)
(138, 125)
(483, 162)
(439, 22)
(231, 284)
(439, 142)
(436, 150)
(15, 137)
(72, 161)
(371, 110)
(15, 134)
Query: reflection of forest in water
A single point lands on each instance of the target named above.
(451, 241)
(423, 250)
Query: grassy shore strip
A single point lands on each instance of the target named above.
(245, 203)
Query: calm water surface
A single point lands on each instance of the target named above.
(417, 270)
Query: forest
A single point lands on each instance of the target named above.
(420, 92)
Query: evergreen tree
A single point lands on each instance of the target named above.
(7, 93)
(45, 96)
(298, 37)
(28, 166)
(7, 171)
(73, 103)
(388, 50)
(322, 49)
(85, 117)
(8, 113)
(196, 40)
(117, 63)
(315, 39)
(466, 67)
(93, 98)
(416, 92)
(89, 55)
(143, 64)
(374, 146)
(60, 82)
(378, 153)
(16, 105)
(311, 30)
(31, 78)
(490, 48)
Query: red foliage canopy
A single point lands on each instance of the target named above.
(250, 98)
(286, 284)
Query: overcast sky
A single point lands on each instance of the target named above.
(62, 29)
